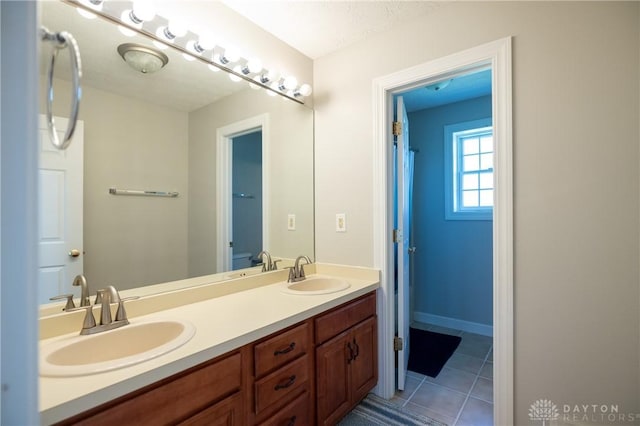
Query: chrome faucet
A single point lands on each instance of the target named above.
(81, 281)
(296, 273)
(268, 265)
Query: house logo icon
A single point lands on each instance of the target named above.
(543, 410)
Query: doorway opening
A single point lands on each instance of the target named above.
(246, 184)
(449, 190)
(496, 56)
(242, 191)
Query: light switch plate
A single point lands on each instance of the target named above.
(291, 222)
(341, 222)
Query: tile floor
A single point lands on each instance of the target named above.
(462, 394)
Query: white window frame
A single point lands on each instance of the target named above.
(451, 212)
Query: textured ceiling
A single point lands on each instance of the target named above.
(460, 88)
(317, 28)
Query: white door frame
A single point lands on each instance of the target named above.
(224, 196)
(496, 54)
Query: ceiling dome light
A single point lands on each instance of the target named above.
(142, 58)
(436, 87)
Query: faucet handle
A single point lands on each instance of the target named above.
(275, 264)
(121, 314)
(89, 321)
(70, 305)
(292, 274)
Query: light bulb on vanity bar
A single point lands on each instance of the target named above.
(91, 4)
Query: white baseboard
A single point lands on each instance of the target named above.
(458, 324)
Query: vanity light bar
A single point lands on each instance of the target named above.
(163, 31)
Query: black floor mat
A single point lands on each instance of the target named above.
(430, 351)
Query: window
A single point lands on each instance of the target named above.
(469, 170)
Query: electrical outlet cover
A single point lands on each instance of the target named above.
(291, 222)
(341, 222)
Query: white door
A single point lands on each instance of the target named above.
(402, 194)
(60, 196)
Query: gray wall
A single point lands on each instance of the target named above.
(575, 164)
(290, 178)
(453, 263)
(131, 241)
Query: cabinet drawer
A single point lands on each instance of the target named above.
(172, 399)
(281, 384)
(295, 413)
(280, 349)
(344, 317)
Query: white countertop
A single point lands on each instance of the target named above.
(224, 322)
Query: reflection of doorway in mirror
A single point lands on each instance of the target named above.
(246, 228)
(60, 195)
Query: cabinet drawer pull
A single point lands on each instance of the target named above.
(292, 421)
(286, 384)
(285, 350)
(357, 349)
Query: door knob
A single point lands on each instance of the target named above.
(74, 253)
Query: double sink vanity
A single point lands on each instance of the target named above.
(251, 350)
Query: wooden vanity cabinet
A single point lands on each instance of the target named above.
(346, 358)
(313, 372)
(209, 393)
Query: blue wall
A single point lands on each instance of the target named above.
(247, 179)
(453, 269)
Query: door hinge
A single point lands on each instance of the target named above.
(397, 236)
(397, 344)
(397, 128)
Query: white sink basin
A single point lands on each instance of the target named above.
(317, 285)
(113, 349)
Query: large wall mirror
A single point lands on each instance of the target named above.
(166, 131)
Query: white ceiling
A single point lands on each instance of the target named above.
(319, 27)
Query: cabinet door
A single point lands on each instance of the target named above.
(332, 375)
(364, 367)
(227, 412)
